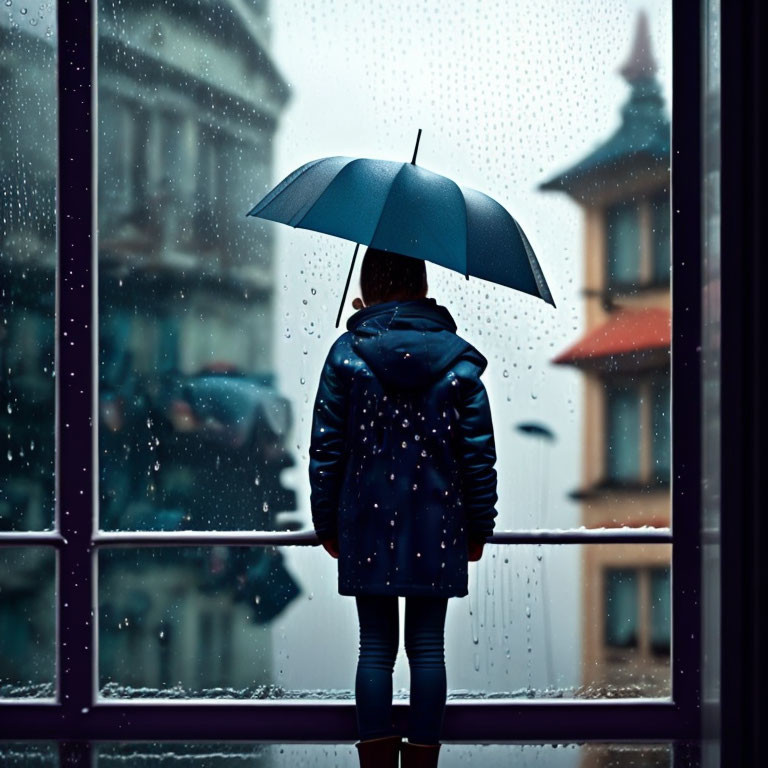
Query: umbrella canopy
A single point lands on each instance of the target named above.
(402, 207)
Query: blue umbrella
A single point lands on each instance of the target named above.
(404, 208)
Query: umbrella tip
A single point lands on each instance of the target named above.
(416, 148)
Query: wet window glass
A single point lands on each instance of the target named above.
(231, 622)
(27, 264)
(214, 326)
(27, 623)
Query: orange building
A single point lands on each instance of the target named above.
(624, 356)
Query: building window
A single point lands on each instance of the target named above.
(623, 245)
(637, 609)
(660, 237)
(634, 409)
(621, 608)
(623, 419)
(660, 430)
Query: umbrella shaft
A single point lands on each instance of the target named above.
(416, 148)
(346, 286)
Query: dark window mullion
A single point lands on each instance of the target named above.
(685, 363)
(75, 432)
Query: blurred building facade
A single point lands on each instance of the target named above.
(27, 383)
(623, 356)
(192, 433)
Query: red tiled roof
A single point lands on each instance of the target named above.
(626, 330)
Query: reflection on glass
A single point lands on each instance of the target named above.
(232, 622)
(224, 755)
(191, 622)
(28, 755)
(27, 622)
(27, 264)
(193, 431)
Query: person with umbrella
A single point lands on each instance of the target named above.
(403, 490)
(402, 451)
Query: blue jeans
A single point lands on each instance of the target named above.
(424, 646)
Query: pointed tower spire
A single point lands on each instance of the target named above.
(640, 65)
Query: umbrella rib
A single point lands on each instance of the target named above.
(538, 275)
(286, 184)
(466, 233)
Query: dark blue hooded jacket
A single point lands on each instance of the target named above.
(402, 452)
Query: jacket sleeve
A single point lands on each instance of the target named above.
(326, 449)
(477, 457)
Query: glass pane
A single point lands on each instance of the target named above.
(27, 622)
(158, 755)
(193, 431)
(623, 244)
(28, 755)
(232, 623)
(214, 326)
(28, 157)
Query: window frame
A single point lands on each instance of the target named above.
(77, 717)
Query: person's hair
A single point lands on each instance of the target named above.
(390, 276)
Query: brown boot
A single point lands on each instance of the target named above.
(419, 755)
(380, 753)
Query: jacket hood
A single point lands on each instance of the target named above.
(409, 344)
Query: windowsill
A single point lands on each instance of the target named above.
(618, 291)
(619, 486)
(632, 289)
